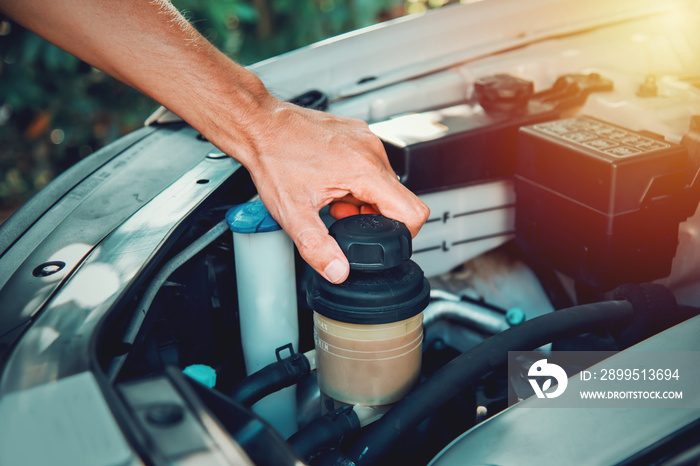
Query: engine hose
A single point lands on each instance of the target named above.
(271, 378)
(467, 313)
(324, 433)
(469, 367)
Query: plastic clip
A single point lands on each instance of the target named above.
(278, 351)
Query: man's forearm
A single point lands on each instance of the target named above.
(300, 160)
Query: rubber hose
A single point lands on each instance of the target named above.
(469, 367)
(655, 309)
(271, 378)
(323, 433)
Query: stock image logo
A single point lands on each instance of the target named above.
(542, 369)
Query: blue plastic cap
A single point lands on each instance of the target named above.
(515, 316)
(251, 217)
(202, 374)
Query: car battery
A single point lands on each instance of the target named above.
(599, 202)
(455, 146)
(476, 141)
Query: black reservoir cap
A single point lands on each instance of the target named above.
(383, 286)
(372, 242)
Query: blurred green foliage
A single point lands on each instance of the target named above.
(56, 109)
(252, 30)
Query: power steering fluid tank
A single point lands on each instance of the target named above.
(368, 330)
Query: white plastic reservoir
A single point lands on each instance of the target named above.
(267, 302)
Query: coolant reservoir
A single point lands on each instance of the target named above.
(368, 330)
(267, 303)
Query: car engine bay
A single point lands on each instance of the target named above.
(561, 170)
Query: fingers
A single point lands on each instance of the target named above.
(348, 205)
(317, 247)
(410, 210)
(340, 210)
(368, 209)
(389, 197)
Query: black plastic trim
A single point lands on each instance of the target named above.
(22, 220)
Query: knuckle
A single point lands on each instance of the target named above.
(423, 211)
(361, 124)
(378, 148)
(374, 142)
(364, 166)
(375, 164)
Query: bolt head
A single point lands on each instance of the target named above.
(164, 414)
(48, 268)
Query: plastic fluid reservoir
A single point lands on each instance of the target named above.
(369, 330)
(267, 301)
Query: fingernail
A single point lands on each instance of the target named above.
(335, 271)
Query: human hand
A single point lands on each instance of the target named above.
(307, 159)
(301, 160)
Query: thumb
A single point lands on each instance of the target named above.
(317, 247)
